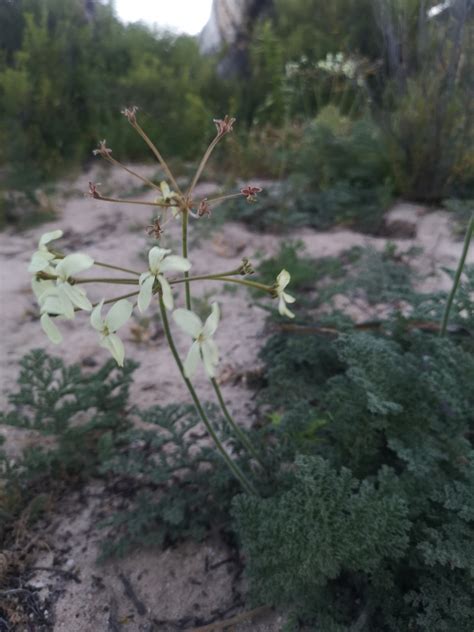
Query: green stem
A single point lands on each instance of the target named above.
(187, 289)
(457, 276)
(108, 265)
(140, 202)
(220, 277)
(204, 277)
(106, 280)
(236, 471)
(119, 298)
(232, 423)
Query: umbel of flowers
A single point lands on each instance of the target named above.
(58, 283)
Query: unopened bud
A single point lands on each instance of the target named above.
(246, 267)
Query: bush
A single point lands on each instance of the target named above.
(383, 426)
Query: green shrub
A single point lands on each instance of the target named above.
(385, 427)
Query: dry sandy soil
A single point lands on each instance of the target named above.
(191, 584)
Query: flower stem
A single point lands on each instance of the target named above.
(202, 164)
(108, 265)
(118, 298)
(232, 423)
(158, 156)
(457, 276)
(229, 279)
(236, 471)
(204, 277)
(107, 280)
(113, 161)
(187, 289)
(102, 198)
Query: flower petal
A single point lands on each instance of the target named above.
(210, 356)
(51, 236)
(67, 307)
(174, 262)
(188, 321)
(288, 298)
(39, 287)
(212, 321)
(146, 291)
(155, 257)
(283, 279)
(52, 304)
(283, 309)
(77, 296)
(166, 292)
(192, 360)
(40, 261)
(50, 329)
(118, 315)
(113, 343)
(73, 264)
(96, 317)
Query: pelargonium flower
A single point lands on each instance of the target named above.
(203, 348)
(282, 281)
(118, 315)
(43, 258)
(49, 305)
(68, 295)
(160, 261)
(169, 197)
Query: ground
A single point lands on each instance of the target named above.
(191, 585)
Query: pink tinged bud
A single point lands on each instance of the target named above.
(250, 193)
(155, 230)
(204, 208)
(224, 126)
(130, 114)
(93, 191)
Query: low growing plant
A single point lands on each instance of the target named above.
(60, 291)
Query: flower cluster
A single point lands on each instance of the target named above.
(55, 287)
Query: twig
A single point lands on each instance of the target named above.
(130, 593)
(243, 616)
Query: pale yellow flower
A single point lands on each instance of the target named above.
(282, 281)
(160, 261)
(118, 315)
(203, 348)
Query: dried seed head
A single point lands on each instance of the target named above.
(102, 149)
(155, 230)
(130, 113)
(224, 126)
(250, 193)
(204, 208)
(93, 192)
(246, 267)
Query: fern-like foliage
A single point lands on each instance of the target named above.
(177, 484)
(371, 528)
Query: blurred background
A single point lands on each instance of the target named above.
(352, 102)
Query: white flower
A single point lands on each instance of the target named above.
(49, 304)
(203, 348)
(42, 258)
(159, 261)
(68, 295)
(116, 318)
(169, 197)
(282, 281)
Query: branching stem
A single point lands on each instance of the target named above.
(234, 468)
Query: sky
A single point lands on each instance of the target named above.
(187, 16)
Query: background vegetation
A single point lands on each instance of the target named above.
(354, 101)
